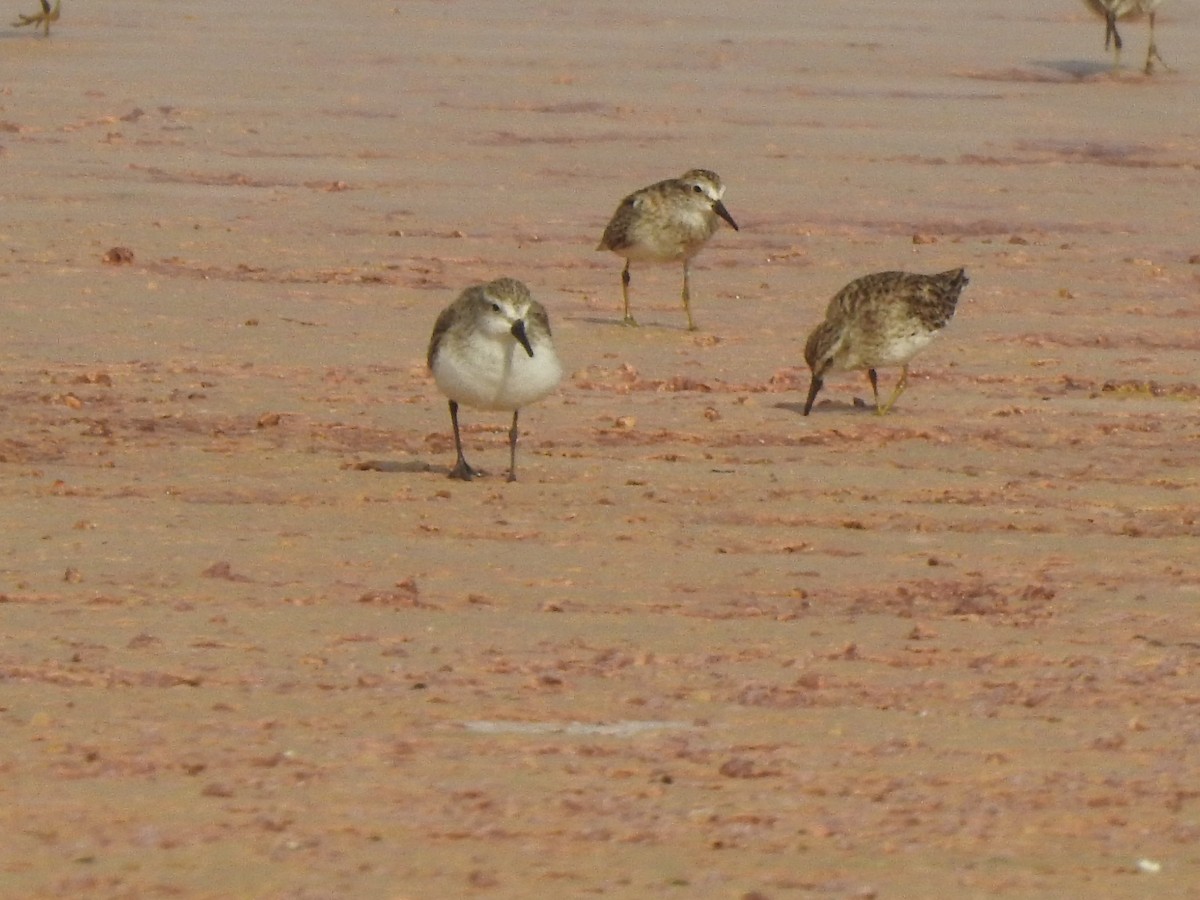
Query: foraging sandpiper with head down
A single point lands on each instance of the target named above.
(884, 319)
(1111, 11)
(491, 349)
(669, 221)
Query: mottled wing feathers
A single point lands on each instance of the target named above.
(931, 297)
(440, 327)
(618, 235)
(537, 319)
(460, 308)
(847, 303)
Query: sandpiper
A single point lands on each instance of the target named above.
(1111, 11)
(491, 349)
(884, 319)
(666, 222)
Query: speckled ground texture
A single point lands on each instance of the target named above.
(256, 644)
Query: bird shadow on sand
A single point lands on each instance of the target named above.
(1061, 71)
(641, 326)
(1077, 68)
(392, 466)
(858, 405)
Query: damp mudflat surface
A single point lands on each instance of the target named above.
(254, 642)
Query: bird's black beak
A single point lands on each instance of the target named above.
(813, 387)
(720, 210)
(518, 331)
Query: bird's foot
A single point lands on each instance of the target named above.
(463, 472)
(1153, 55)
(629, 321)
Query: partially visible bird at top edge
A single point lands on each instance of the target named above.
(44, 18)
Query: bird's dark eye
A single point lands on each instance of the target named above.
(495, 307)
(697, 189)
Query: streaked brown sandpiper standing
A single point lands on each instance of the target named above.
(668, 221)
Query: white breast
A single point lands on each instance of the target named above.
(487, 373)
(896, 351)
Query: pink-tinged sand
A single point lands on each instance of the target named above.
(255, 644)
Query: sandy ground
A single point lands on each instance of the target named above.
(256, 644)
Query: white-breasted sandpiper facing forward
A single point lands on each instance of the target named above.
(491, 349)
(879, 320)
(669, 221)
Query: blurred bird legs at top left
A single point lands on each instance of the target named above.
(44, 18)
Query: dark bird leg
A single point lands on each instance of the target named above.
(687, 297)
(512, 449)
(1113, 37)
(873, 377)
(629, 320)
(462, 470)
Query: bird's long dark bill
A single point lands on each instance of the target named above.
(720, 210)
(813, 387)
(518, 331)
